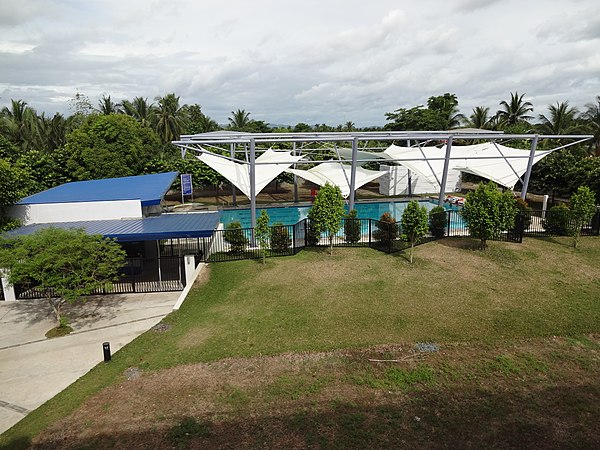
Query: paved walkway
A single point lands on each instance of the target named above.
(34, 369)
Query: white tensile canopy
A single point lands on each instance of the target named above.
(337, 174)
(268, 166)
(501, 164)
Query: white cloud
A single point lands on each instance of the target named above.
(287, 62)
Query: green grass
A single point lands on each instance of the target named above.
(358, 298)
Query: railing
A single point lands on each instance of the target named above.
(138, 275)
(558, 222)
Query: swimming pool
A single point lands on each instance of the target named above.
(289, 215)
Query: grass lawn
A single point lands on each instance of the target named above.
(281, 351)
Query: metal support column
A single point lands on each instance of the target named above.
(233, 196)
(252, 183)
(534, 143)
(445, 174)
(409, 175)
(295, 177)
(353, 173)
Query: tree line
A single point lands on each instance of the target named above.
(134, 136)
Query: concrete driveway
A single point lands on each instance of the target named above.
(34, 369)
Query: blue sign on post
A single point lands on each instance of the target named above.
(186, 184)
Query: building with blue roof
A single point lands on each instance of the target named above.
(110, 198)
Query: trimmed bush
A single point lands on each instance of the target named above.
(352, 227)
(525, 210)
(313, 235)
(438, 220)
(386, 229)
(234, 236)
(558, 221)
(280, 238)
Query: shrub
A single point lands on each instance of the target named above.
(583, 207)
(386, 229)
(558, 221)
(437, 222)
(234, 236)
(352, 227)
(525, 210)
(280, 238)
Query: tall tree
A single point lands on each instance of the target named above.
(561, 119)
(514, 111)
(199, 122)
(110, 146)
(480, 117)
(11, 190)
(140, 110)
(19, 125)
(171, 119)
(239, 120)
(591, 116)
(53, 132)
(106, 106)
(446, 108)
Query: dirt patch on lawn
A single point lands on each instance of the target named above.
(534, 393)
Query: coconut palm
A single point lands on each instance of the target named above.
(170, 119)
(515, 110)
(239, 120)
(106, 106)
(480, 118)
(53, 131)
(140, 110)
(591, 116)
(19, 125)
(561, 120)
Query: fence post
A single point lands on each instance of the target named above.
(389, 238)
(448, 220)
(596, 221)
(305, 233)
(370, 220)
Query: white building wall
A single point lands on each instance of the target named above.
(395, 182)
(73, 212)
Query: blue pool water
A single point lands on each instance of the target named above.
(290, 215)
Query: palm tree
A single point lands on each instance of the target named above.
(349, 126)
(239, 120)
(480, 118)
(106, 106)
(19, 124)
(514, 111)
(140, 110)
(170, 119)
(592, 122)
(561, 120)
(53, 132)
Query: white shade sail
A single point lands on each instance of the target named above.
(501, 164)
(267, 168)
(337, 174)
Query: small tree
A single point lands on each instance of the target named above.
(489, 212)
(583, 207)
(261, 232)
(67, 265)
(234, 236)
(280, 238)
(386, 230)
(352, 227)
(438, 221)
(414, 224)
(525, 210)
(327, 211)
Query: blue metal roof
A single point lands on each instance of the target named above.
(165, 226)
(150, 189)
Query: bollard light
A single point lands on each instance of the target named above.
(106, 350)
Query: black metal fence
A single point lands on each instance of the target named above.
(236, 244)
(162, 274)
(558, 222)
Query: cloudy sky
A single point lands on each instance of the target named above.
(314, 61)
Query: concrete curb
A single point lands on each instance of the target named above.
(188, 286)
